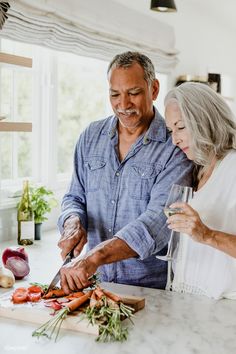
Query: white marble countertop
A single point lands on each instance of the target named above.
(169, 323)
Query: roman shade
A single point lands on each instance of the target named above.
(93, 28)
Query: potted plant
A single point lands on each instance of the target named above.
(43, 201)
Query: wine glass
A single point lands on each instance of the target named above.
(177, 193)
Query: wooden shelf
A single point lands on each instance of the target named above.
(15, 60)
(19, 61)
(15, 127)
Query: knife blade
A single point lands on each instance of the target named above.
(56, 278)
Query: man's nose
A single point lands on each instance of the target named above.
(124, 102)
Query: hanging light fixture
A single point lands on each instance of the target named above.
(163, 5)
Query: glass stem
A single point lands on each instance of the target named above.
(169, 275)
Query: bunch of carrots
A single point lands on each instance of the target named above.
(102, 307)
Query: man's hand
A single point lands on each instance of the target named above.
(73, 234)
(75, 275)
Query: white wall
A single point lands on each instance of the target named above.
(205, 35)
(204, 42)
(8, 224)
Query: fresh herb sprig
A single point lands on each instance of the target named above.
(52, 326)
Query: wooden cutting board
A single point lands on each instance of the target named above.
(39, 314)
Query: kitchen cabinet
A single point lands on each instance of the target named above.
(11, 59)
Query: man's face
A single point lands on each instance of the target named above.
(131, 97)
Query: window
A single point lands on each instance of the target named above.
(15, 105)
(61, 95)
(159, 102)
(82, 98)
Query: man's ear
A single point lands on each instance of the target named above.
(155, 89)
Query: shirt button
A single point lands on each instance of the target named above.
(109, 230)
(112, 202)
(117, 174)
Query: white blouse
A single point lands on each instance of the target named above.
(199, 268)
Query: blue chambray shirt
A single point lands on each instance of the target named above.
(126, 198)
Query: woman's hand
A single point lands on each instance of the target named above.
(188, 222)
(74, 237)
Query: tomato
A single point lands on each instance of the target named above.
(35, 289)
(34, 297)
(20, 295)
(33, 294)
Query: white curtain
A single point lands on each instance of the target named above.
(93, 28)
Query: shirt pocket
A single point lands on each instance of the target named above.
(141, 180)
(95, 173)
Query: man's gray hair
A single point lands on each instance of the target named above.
(127, 59)
(208, 118)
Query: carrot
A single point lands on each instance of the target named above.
(112, 304)
(99, 292)
(54, 293)
(102, 292)
(72, 296)
(93, 300)
(112, 296)
(74, 304)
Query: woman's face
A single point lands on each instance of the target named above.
(176, 126)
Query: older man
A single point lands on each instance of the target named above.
(124, 167)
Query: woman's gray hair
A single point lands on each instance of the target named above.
(208, 118)
(127, 59)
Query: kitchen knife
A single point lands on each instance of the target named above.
(56, 278)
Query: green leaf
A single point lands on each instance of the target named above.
(43, 201)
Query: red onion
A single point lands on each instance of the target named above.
(18, 252)
(17, 261)
(19, 267)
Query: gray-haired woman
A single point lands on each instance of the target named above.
(203, 126)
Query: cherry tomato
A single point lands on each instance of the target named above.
(34, 297)
(35, 289)
(20, 295)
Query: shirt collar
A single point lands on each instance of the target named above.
(113, 126)
(157, 130)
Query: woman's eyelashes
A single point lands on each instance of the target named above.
(170, 131)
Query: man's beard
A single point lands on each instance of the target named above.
(127, 112)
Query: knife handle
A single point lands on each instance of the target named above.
(70, 255)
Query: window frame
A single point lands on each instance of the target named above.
(45, 123)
